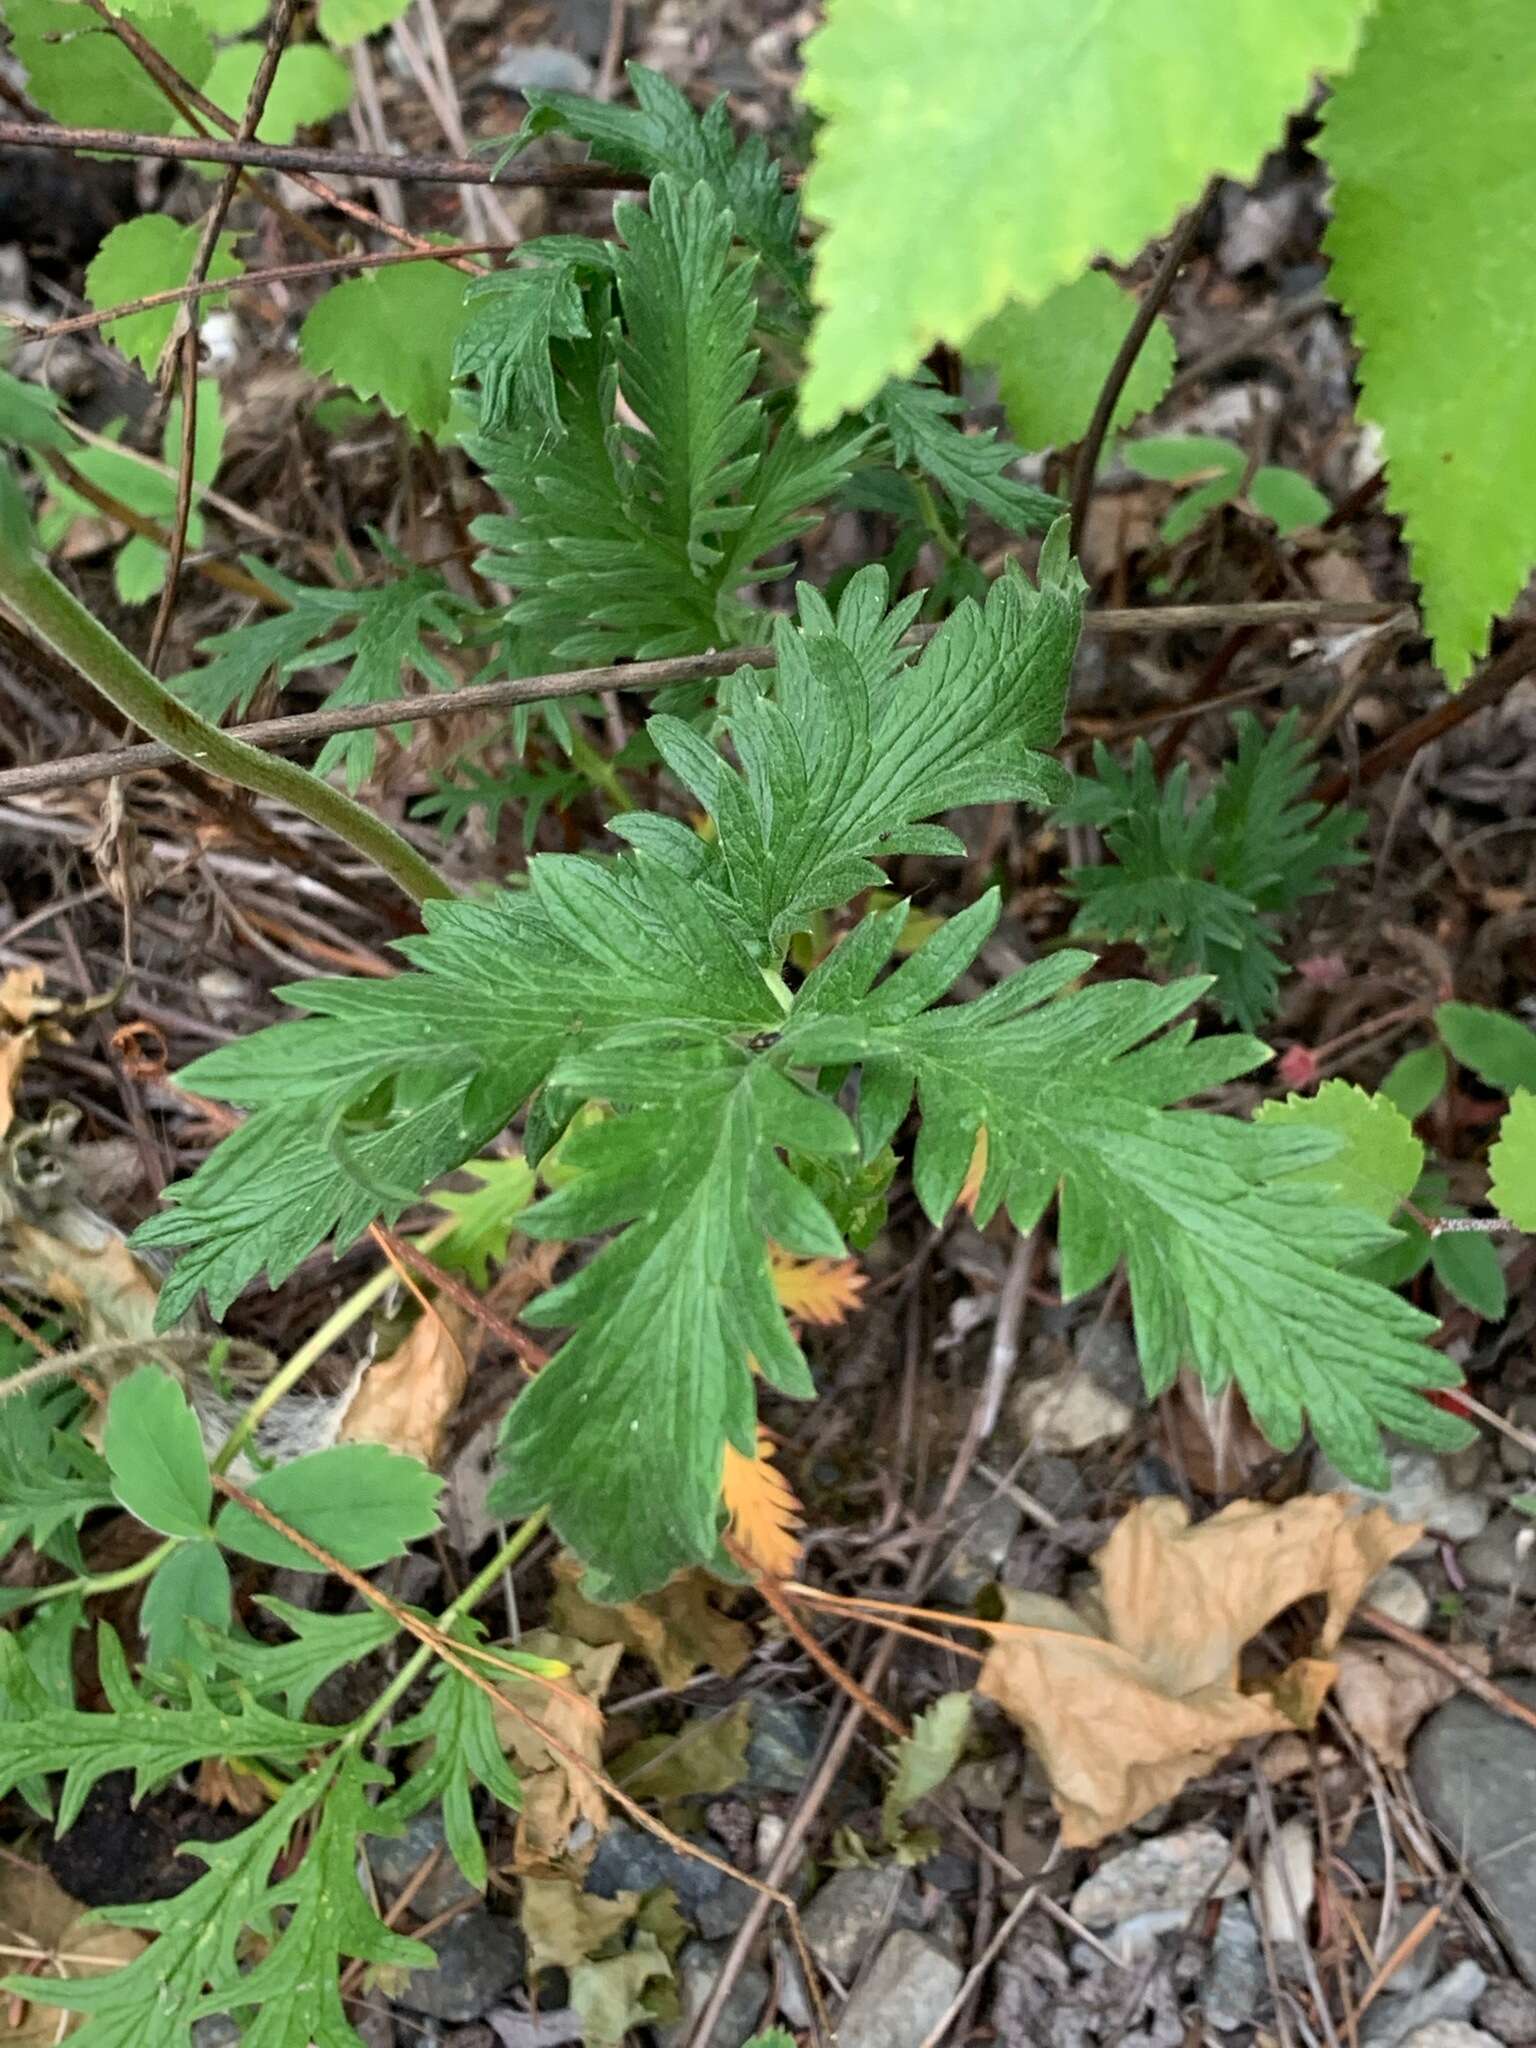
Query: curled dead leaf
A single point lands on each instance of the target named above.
(678, 1630)
(1384, 1691)
(1123, 1721)
(557, 1793)
(24, 1015)
(407, 1400)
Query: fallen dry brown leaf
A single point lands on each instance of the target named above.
(407, 1400)
(1122, 1721)
(1384, 1691)
(556, 1795)
(678, 1631)
(48, 1934)
(24, 1011)
(765, 1513)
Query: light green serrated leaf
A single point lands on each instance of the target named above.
(1434, 188)
(310, 86)
(348, 21)
(188, 1594)
(1052, 360)
(151, 254)
(154, 1450)
(924, 1759)
(1512, 1162)
(1498, 1048)
(1100, 127)
(361, 1502)
(390, 335)
(1378, 1161)
(79, 72)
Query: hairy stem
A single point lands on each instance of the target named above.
(41, 603)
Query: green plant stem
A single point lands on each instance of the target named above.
(111, 1582)
(933, 519)
(42, 603)
(331, 1331)
(467, 1601)
(600, 772)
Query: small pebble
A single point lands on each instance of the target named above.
(1288, 1883)
(1399, 1596)
(1178, 1870)
(1394, 2022)
(544, 65)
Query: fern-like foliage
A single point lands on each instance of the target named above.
(381, 630)
(1202, 885)
(650, 495)
(652, 984)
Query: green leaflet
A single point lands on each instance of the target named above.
(1427, 138)
(1513, 1163)
(381, 629)
(150, 254)
(150, 1740)
(315, 1917)
(923, 427)
(1231, 1269)
(390, 334)
(460, 1724)
(1066, 111)
(1379, 1159)
(1202, 885)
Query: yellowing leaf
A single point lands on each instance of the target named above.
(564, 1925)
(1513, 1163)
(1123, 1721)
(407, 1400)
(765, 1515)
(1379, 1159)
(1099, 122)
(817, 1290)
(678, 1631)
(975, 1174)
(705, 1758)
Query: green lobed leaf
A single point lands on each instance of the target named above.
(661, 134)
(486, 1217)
(1498, 1048)
(152, 253)
(154, 1450)
(1433, 192)
(1512, 1162)
(361, 1502)
(1234, 1267)
(134, 1734)
(512, 318)
(320, 1645)
(1053, 358)
(390, 334)
(924, 432)
(459, 1723)
(1070, 114)
(1378, 1161)
(50, 1478)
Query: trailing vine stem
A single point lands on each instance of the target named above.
(42, 604)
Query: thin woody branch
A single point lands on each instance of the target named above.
(278, 734)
